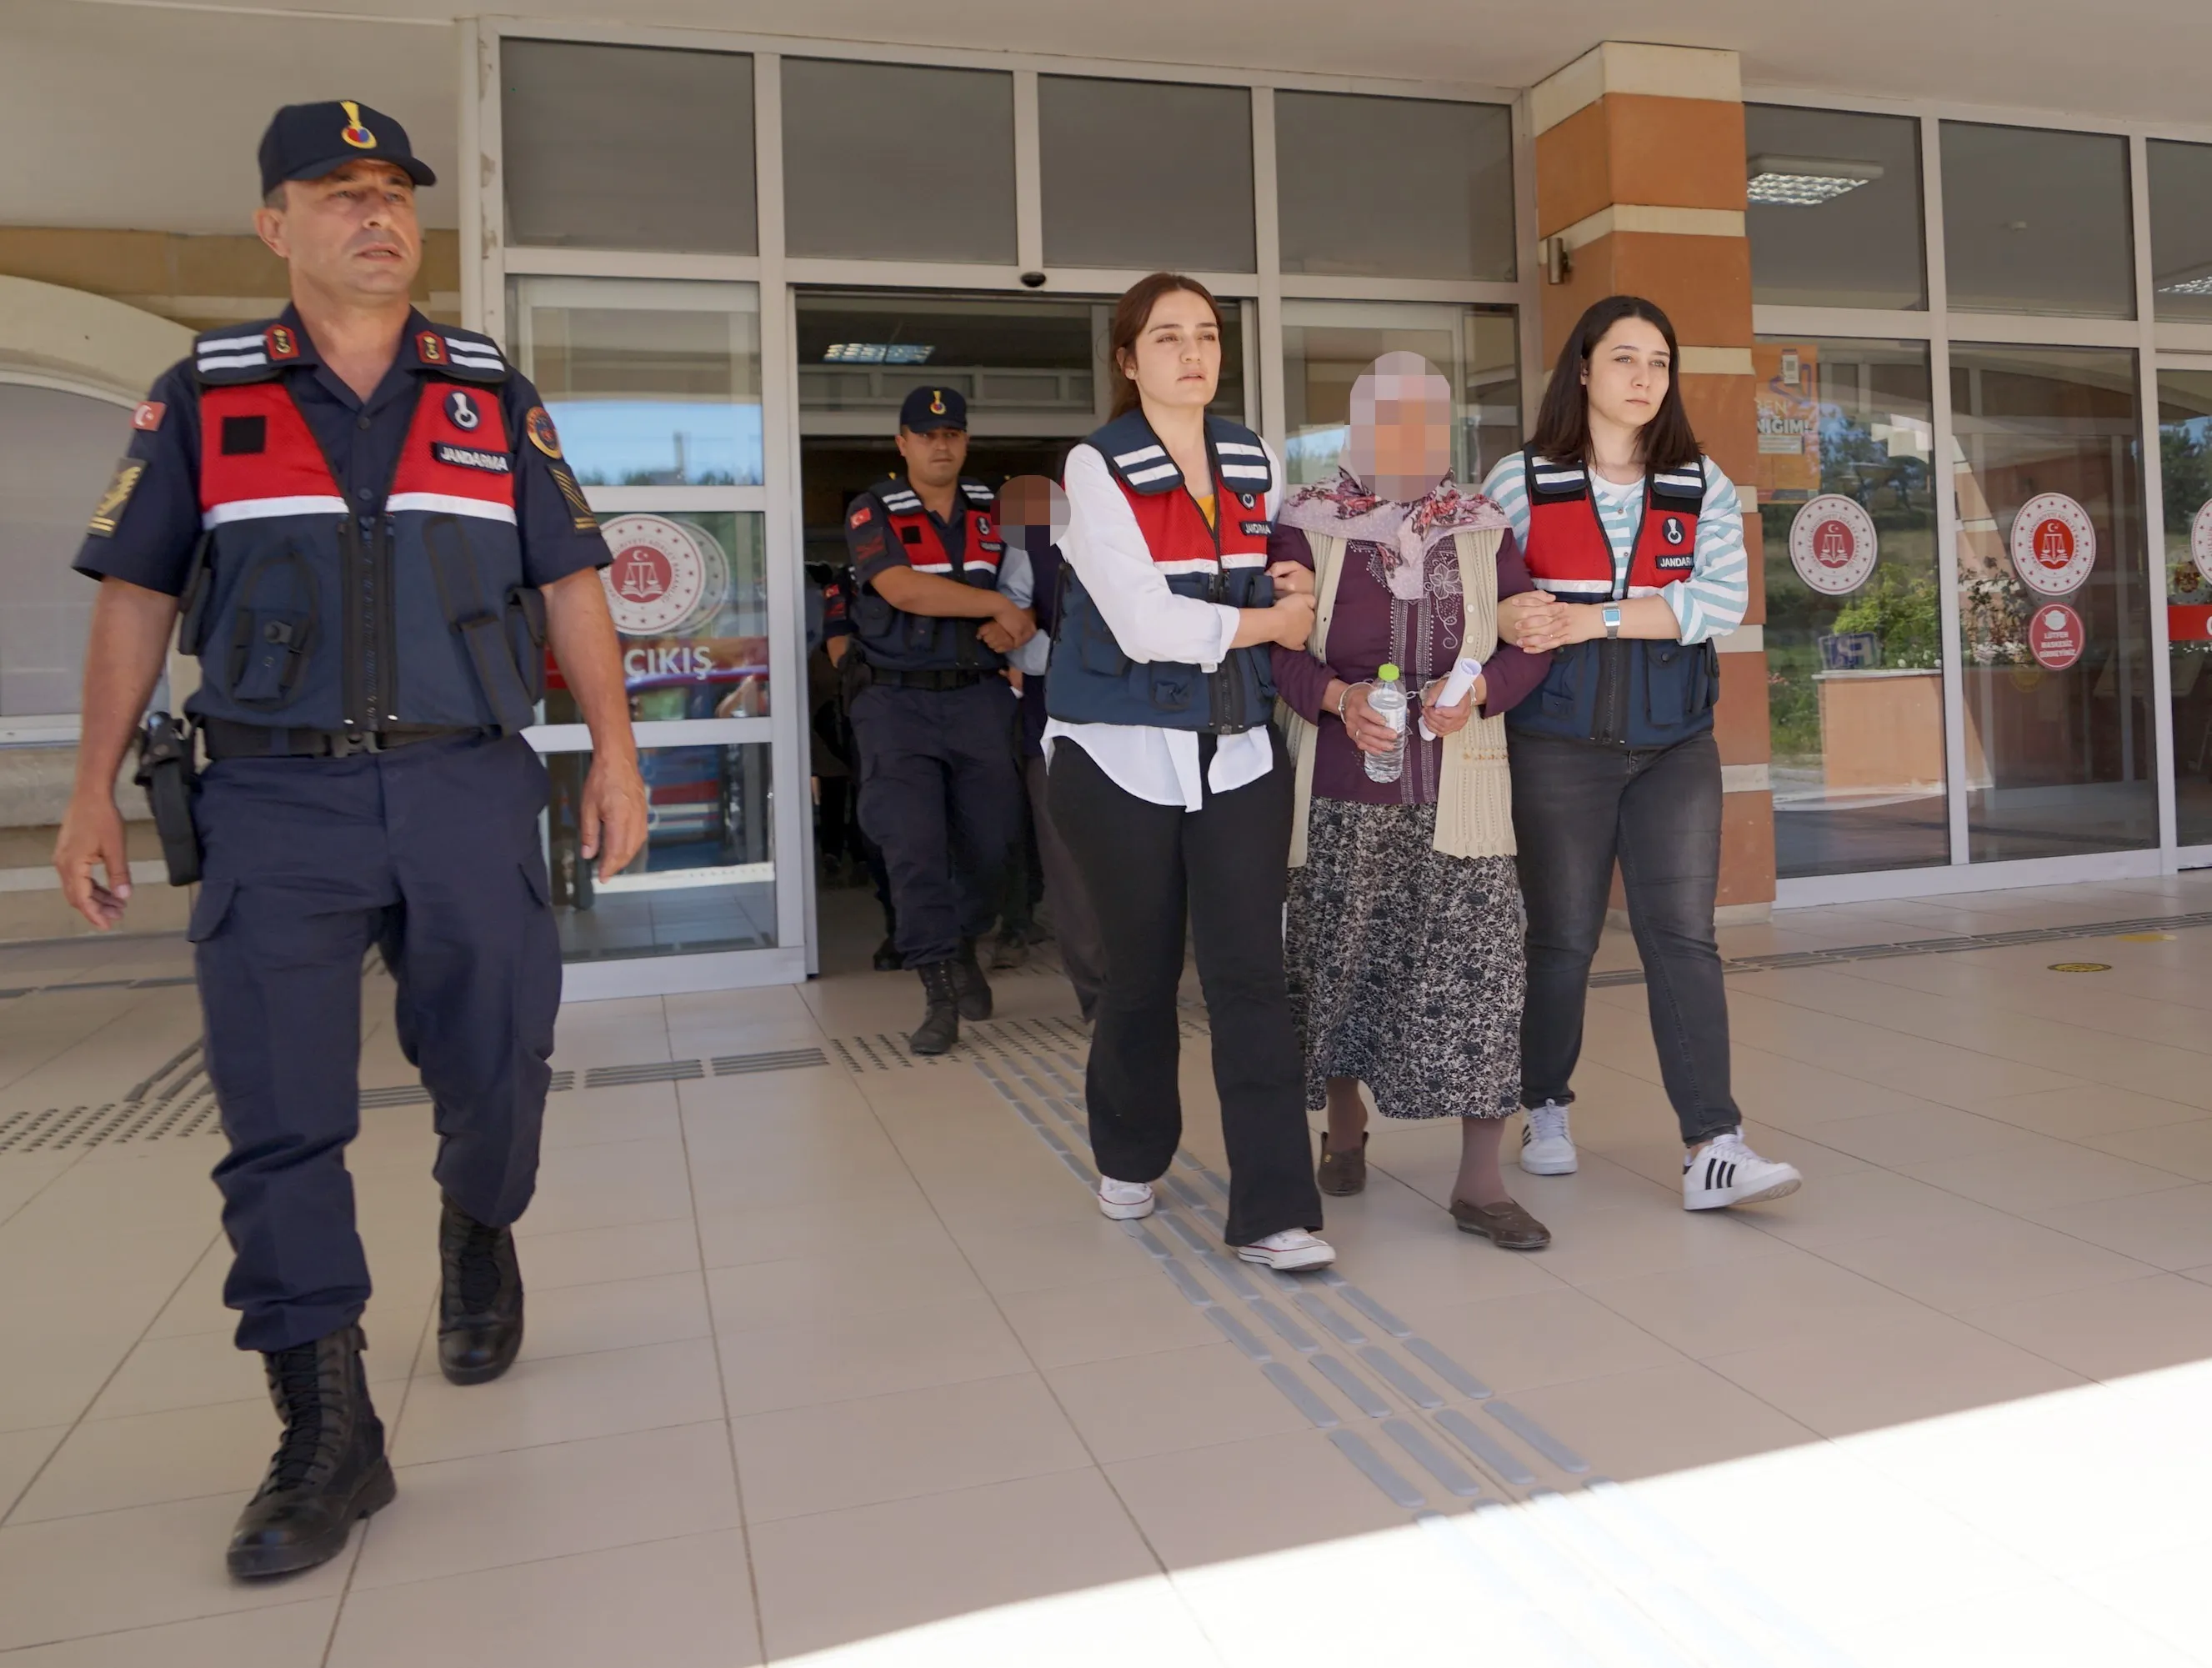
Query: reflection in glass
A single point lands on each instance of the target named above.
(896, 161)
(1146, 174)
(1853, 632)
(705, 880)
(1834, 215)
(649, 383)
(627, 146)
(1328, 344)
(2036, 222)
(2184, 440)
(2054, 602)
(1395, 188)
(2181, 229)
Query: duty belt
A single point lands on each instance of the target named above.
(227, 739)
(937, 681)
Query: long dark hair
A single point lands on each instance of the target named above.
(1132, 314)
(1563, 421)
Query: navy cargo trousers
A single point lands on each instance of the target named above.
(431, 854)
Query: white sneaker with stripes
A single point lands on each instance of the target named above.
(1727, 1173)
(1124, 1201)
(1547, 1146)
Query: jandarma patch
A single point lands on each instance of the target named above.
(469, 457)
(109, 511)
(1256, 529)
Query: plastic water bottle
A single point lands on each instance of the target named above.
(1387, 700)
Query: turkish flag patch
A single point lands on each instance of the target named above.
(860, 517)
(148, 417)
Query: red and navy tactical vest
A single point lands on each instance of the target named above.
(896, 641)
(1636, 692)
(307, 613)
(1089, 680)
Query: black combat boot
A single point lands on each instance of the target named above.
(480, 1308)
(328, 1469)
(968, 980)
(940, 1022)
(888, 959)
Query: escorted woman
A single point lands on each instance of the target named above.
(1167, 779)
(1635, 541)
(1405, 915)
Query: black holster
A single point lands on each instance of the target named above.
(169, 772)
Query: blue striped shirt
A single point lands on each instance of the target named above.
(1711, 601)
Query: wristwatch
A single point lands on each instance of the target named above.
(1612, 619)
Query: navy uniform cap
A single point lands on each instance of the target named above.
(307, 141)
(934, 408)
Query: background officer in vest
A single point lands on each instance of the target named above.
(368, 521)
(939, 789)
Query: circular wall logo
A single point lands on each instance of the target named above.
(2200, 539)
(1832, 544)
(2055, 636)
(666, 575)
(2054, 543)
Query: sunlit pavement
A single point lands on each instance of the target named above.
(829, 1360)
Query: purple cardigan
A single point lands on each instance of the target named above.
(1363, 628)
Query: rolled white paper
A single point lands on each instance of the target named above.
(1454, 691)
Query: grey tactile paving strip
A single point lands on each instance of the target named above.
(1783, 961)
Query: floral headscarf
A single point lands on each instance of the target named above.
(1346, 508)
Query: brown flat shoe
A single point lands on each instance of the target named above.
(1505, 1225)
(1342, 1173)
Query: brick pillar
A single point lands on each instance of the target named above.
(1639, 170)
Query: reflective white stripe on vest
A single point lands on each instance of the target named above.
(1157, 471)
(1560, 477)
(1684, 483)
(902, 503)
(1237, 448)
(1193, 565)
(231, 343)
(480, 357)
(1239, 472)
(256, 509)
(446, 503)
(1576, 588)
(1124, 459)
(931, 566)
(233, 361)
(1245, 559)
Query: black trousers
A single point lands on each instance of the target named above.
(430, 853)
(1074, 922)
(1145, 866)
(1577, 806)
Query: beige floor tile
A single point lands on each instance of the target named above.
(1182, 1398)
(2048, 1622)
(906, 1348)
(853, 1282)
(2108, 1331)
(1772, 1300)
(290, 1636)
(2171, 1228)
(805, 1460)
(1085, 1247)
(1514, 1343)
(611, 1186)
(1243, 1499)
(1439, 1266)
(566, 1399)
(1865, 1204)
(1660, 1419)
(2073, 1115)
(615, 1314)
(588, 1256)
(1965, 1267)
(845, 1576)
(530, 1504)
(148, 1459)
(138, 1568)
(2186, 1149)
(22, 1454)
(1876, 1368)
(671, 1604)
(1662, 1235)
(898, 1217)
(1102, 1320)
(1926, 1134)
(2033, 1177)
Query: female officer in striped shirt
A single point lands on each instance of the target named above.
(1635, 541)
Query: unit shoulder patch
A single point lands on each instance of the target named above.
(537, 423)
(108, 513)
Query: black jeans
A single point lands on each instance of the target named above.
(1074, 924)
(1227, 863)
(1577, 806)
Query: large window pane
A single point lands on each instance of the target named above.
(890, 162)
(2036, 222)
(1834, 212)
(2054, 602)
(1854, 629)
(1326, 346)
(57, 452)
(1144, 173)
(628, 147)
(2185, 436)
(649, 383)
(2181, 229)
(1396, 188)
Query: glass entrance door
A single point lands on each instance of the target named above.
(2185, 438)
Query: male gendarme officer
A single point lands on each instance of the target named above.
(368, 524)
(938, 791)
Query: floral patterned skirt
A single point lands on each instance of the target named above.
(1406, 967)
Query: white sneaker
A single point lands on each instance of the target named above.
(1125, 1202)
(1547, 1147)
(1289, 1252)
(1727, 1173)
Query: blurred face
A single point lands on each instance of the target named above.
(1177, 360)
(1402, 424)
(351, 234)
(934, 457)
(1627, 373)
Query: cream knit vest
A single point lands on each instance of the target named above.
(1474, 798)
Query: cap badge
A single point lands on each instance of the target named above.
(431, 347)
(353, 132)
(937, 402)
(283, 344)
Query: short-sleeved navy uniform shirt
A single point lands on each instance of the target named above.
(152, 533)
(870, 539)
